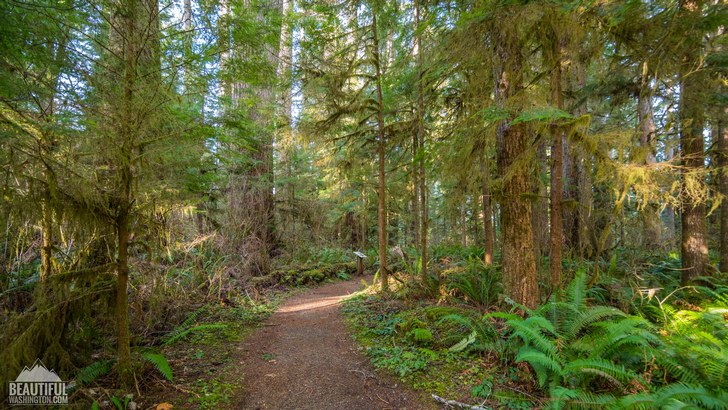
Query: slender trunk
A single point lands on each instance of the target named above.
(585, 228)
(124, 205)
(463, 224)
(694, 246)
(123, 337)
(557, 184)
(421, 144)
(519, 266)
(540, 206)
(285, 132)
(416, 188)
(46, 249)
(670, 223)
(381, 150)
(487, 222)
(651, 235)
(722, 144)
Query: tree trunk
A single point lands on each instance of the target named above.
(585, 228)
(722, 144)
(557, 185)
(463, 224)
(540, 205)
(123, 337)
(651, 232)
(46, 250)
(694, 246)
(421, 143)
(519, 266)
(487, 221)
(381, 150)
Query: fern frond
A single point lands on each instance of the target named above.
(173, 338)
(576, 291)
(160, 362)
(613, 372)
(590, 316)
(696, 395)
(540, 362)
(93, 371)
(532, 336)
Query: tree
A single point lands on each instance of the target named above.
(519, 266)
(694, 244)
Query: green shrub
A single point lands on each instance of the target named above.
(479, 284)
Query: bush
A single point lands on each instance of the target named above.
(478, 284)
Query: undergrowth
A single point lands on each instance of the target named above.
(622, 336)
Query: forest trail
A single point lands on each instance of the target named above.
(304, 358)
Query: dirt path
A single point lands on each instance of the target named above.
(304, 358)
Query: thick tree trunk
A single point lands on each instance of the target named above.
(519, 266)
(694, 245)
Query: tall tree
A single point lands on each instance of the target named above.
(694, 244)
(519, 266)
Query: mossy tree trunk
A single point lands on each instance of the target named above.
(519, 266)
(694, 244)
(381, 151)
(557, 184)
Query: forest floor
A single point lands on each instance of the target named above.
(303, 357)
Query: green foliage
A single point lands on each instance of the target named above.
(576, 349)
(160, 363)
(180, 332)
(90, 373)
(420, 336)
(479, 284)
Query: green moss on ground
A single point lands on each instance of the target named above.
(412, 341)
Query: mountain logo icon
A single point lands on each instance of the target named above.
(37, 386)
(38, 373)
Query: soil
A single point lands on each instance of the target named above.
(304, 358)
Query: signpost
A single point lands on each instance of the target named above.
(359, 262)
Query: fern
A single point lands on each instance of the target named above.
(420, 335)
(615, 373)
(177, 336)
(92, 372)
(160, 363)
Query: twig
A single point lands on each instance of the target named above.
(380, 398)
(456, 404)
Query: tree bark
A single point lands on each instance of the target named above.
(694, 245)
(585, 228)
(487, 221)
(557, 185)
(423, 218)
(381, 150)
(540, 205)
(519, 266)
(722, 145)
(651, 232)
